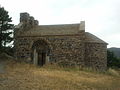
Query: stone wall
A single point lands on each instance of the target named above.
(62, 48)
(22, 48)
(69, 49)
(95, 55)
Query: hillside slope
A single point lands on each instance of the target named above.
(28, 77)
(116, 51)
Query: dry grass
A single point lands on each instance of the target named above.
(21, 76)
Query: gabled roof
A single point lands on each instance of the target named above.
(92, 38)
(64, 29)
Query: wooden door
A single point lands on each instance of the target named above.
(41, 59)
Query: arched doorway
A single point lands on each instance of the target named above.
(40, 52)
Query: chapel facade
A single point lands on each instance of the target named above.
(65, 43)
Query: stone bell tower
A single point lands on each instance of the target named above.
(27, 20)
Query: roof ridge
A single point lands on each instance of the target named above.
(60, 24)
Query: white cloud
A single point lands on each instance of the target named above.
(101, 16)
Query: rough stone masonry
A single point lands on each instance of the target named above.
(65, 43)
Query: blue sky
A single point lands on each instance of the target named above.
(102, 17)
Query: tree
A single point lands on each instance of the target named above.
(112, 60)
(6, 28)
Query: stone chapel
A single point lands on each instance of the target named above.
(64, 43)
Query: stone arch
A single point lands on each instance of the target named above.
(40, 52)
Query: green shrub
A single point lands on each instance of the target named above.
(112, 60)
